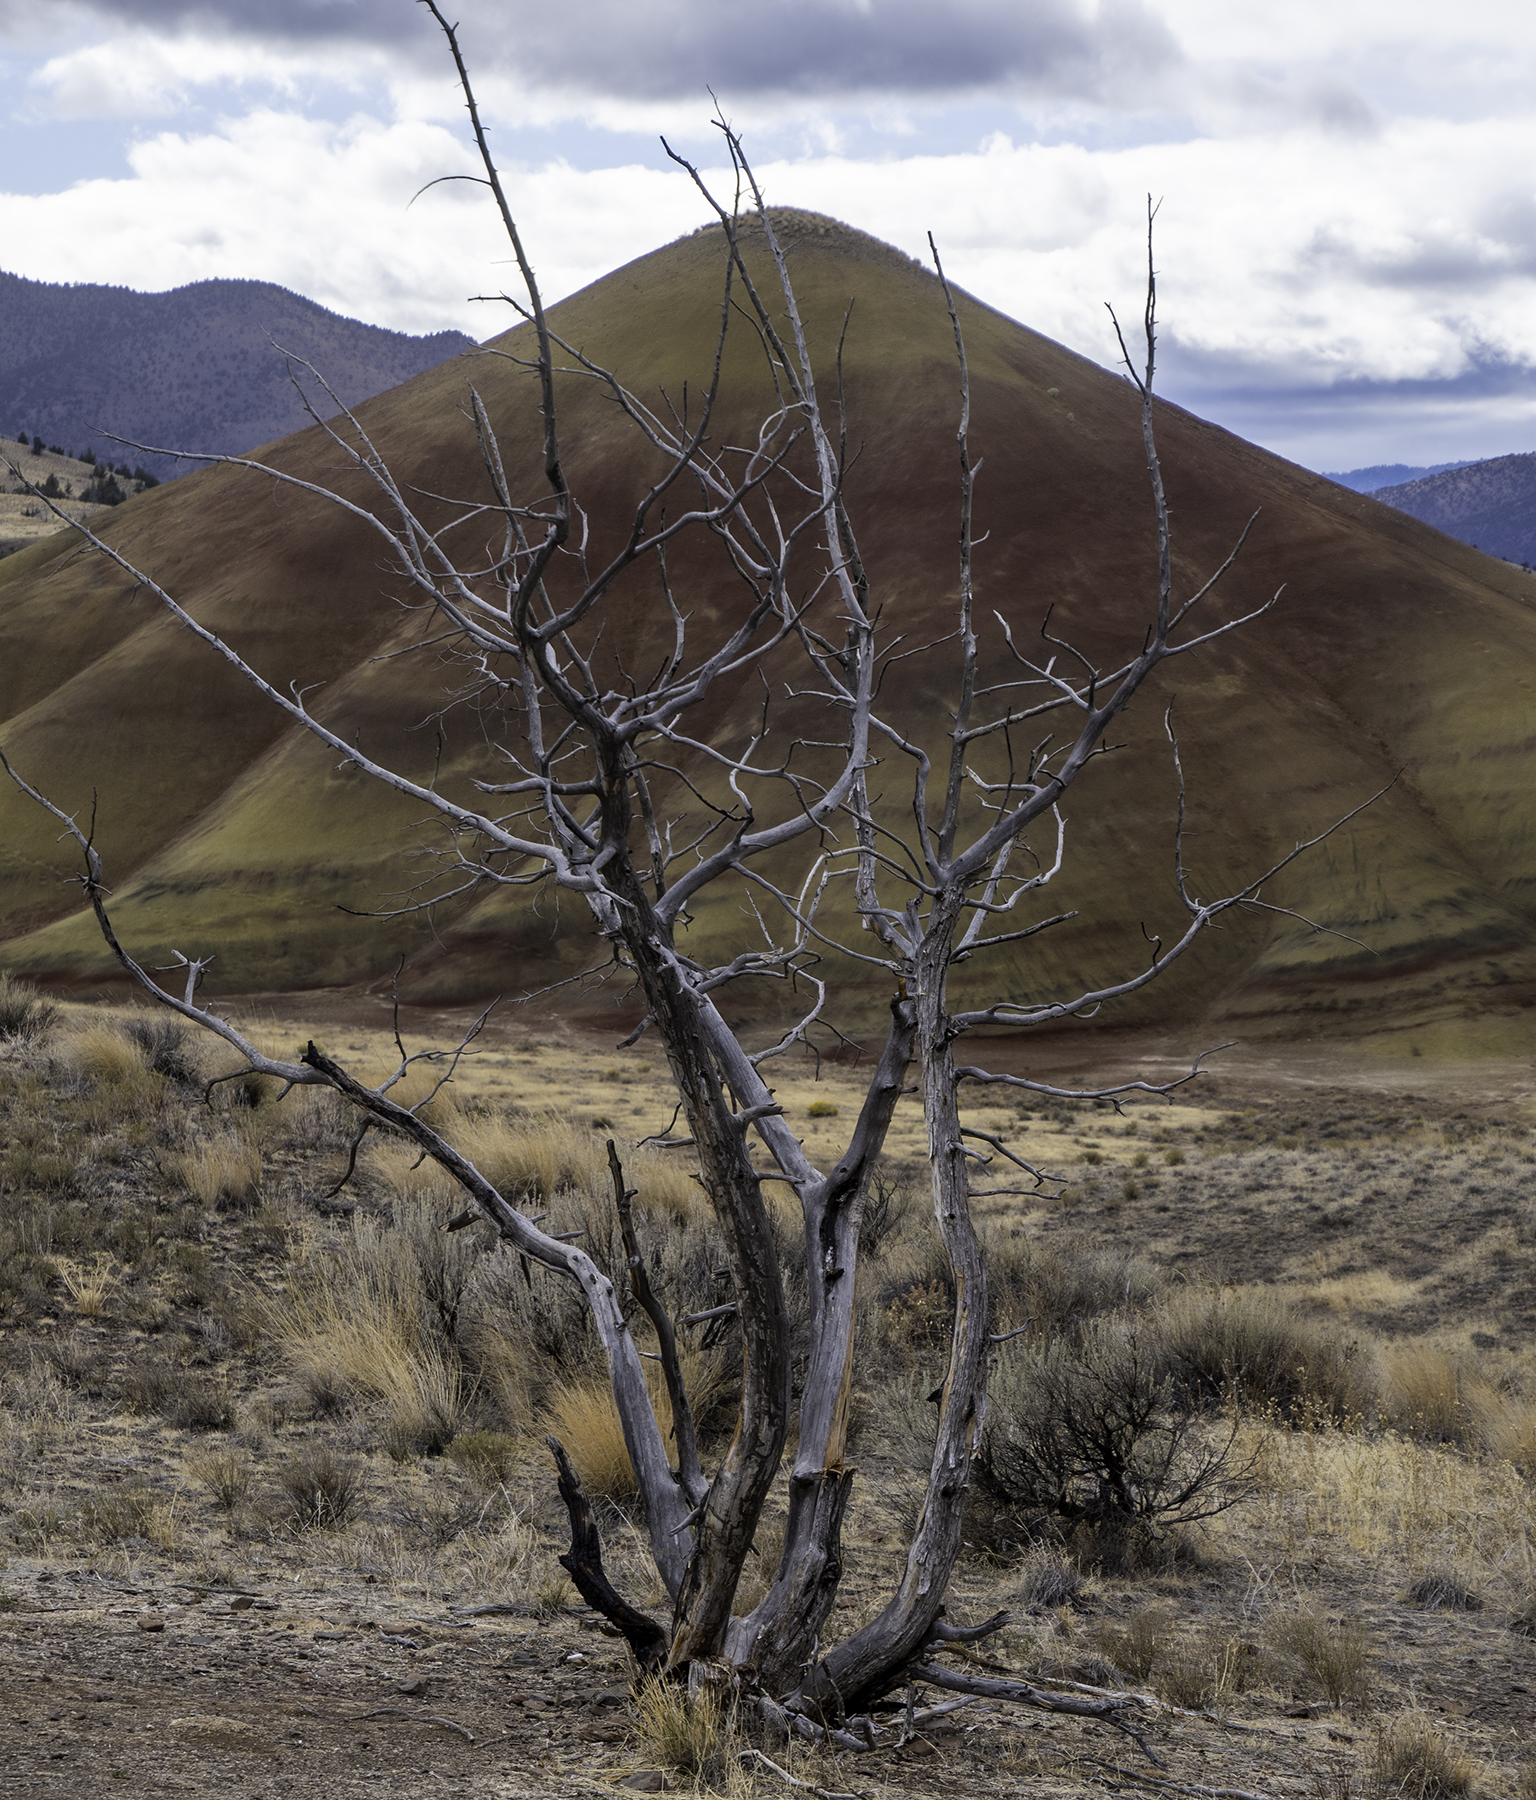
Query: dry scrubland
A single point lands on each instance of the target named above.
(259, 1442)
(25, 520)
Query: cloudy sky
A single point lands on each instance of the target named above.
(1348, 230)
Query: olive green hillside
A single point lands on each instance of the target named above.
(1393, 653)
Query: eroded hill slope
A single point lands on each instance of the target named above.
(1393, 653)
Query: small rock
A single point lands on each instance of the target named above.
(1302, 1711)
(919, 1748)
(414, 1684)
(645, 1781)
(150, 1622)
(241, 1602)
(611, 1696)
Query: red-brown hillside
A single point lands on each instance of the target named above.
(1394, 651)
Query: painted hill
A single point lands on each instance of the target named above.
(1394, 652)
(193, 368)
(1491, 504)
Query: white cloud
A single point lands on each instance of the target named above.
(1288, 260)
(324, 209)
(1348, 234)
(136, 75)
(1313, 259)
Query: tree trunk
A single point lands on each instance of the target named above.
(869, 1663)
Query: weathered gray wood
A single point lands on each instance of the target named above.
(568, 801)
(583, 1562)
(689, 1474)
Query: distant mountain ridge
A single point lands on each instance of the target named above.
(193, 368)
(1490, 505)
(1380, 475)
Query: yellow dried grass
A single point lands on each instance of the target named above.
(1414, 1758)
(538, 1157)
(1512, 1434)
(585, 1419)
(89, 1287)
(102, 1051)
(356, 1316)
(223, 1170)
(1430, 1393)
(1406, 1506)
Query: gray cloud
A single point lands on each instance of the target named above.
(1487, 409)
(1497, 240)
(785, 48)
(273, 20)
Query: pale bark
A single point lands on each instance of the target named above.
(571, 802)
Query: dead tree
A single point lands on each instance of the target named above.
(942, 878)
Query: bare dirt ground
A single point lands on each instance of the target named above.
(158, 1635)
(301, 1695)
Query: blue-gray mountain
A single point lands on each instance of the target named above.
(1380, 475)
(1491, 505)
(191, 369)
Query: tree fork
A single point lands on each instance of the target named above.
(728, 1520)
(776, 1637)
(871, 1662)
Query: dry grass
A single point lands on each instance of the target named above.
(487, 1457)
(321, 1488)
(585, 1419)
(224, 1171)
(113, 1513)
(761, 1567)
(1399, 1507)
(103, 1051)
(92, 1287)
(353, 1320)
(1431, 1394)
(1250, 1342)
(1207, 1671)
(425, 1397)
(1333, 1653)
(1512, 1433)
(26, 1016)
(534, 1158)
(1137, 1647)
(1415, 1759)
(693, 1732)
(225, 1473)
(399, 1333)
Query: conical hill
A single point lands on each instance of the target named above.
(1394, 652)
